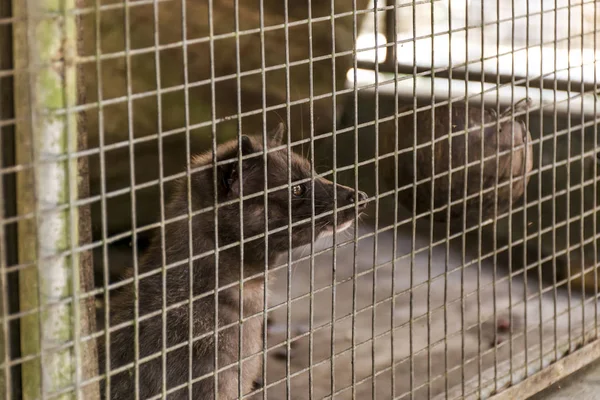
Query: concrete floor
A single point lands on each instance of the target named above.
(481, 343)
(376, 355)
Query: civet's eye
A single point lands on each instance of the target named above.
(298, 190)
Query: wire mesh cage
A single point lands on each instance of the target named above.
(305, 200)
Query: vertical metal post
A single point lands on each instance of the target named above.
(45, 50)
(89, 351)
(6, 197)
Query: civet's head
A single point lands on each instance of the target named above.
(304, 198)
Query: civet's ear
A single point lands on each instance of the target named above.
(520, 106)
(247, 146)
(229, 172)
(276, 135)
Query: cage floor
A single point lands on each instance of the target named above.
(582, 385)
(438, 356)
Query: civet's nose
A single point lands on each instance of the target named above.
(362, 196)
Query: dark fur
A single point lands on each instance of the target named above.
(176, 236)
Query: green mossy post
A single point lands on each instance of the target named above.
(45, 52)
(28, 290)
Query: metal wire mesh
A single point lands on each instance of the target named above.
(150, 249)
